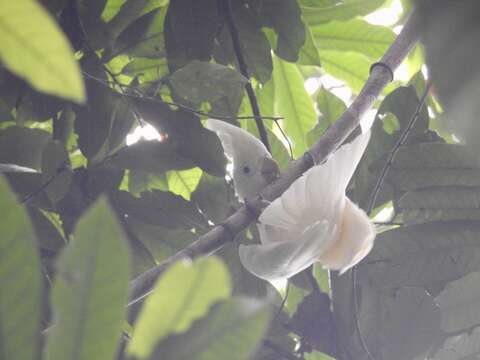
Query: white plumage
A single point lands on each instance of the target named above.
(312, 221)
(253, 166)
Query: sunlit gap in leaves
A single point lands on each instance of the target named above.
(387, 16)
(144, 132)
(340, 89)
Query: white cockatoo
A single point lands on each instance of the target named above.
(253, 166)
(313, 221)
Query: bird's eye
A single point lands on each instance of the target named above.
(246, 170)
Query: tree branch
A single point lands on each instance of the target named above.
(232, 27)
(328, 143)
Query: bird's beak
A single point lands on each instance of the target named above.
(269, 169)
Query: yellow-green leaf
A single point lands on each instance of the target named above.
(34, 48)
(181, 296)
(293, 103)
(184, 182)
(19, 281)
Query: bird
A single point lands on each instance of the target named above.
(253, 165)
(312, 221)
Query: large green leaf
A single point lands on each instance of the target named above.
(331, 108)
(400, 326)
(34, 48)
(190, 27)
(345, 10)
(441, 197)
(214, 197)
(232, 330)
(90, 289)
(353, 35)
(158, 208)
(183, 183)
(465, 346)
(427, 255)
(103, 123)
(293, 103)
(144, 37)
(285, 18)
(459, 302)
(181, 296)
(391, 120)
(128, 12)
(254, 44)
(151, 156)
(203, 81)
(56, 170)
(23, 146)
(351, 67)
(309, 52)
(20, 298)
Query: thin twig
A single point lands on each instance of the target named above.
(63, 167)
(328, 143)
(388, 163)
(391, 156)
(140, 95)
(237, 47)
(279, 350)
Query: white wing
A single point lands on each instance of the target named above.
(356, 236)
(284, 258)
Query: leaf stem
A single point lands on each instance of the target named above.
(232, 27)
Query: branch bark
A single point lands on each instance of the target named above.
(208, 243)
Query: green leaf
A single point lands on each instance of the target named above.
(23, 146)
(56, 170)
(320, 334)
(441, 197)
(317, 356)
(459, 303)
(293, 103)
(151, 156)
(309, 52)
(401, 326)
(146, 70)
(213, 197)
(158, 208)
(20, 298)
(434, 164)
(402, 103)
(331, 108)
(345, 10)
(181, 296)
(203, 81)
(160, 241)
(34, 48)
(190, 28)
(183, 183)
(144, 37)
(128, 12)
(104, 122)
(464, 346)
(353, 68)
(254, 44)
(232, 329)
(47, 229)
(285, 18)
(90, 289)
(353, 35)
(427, 255)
